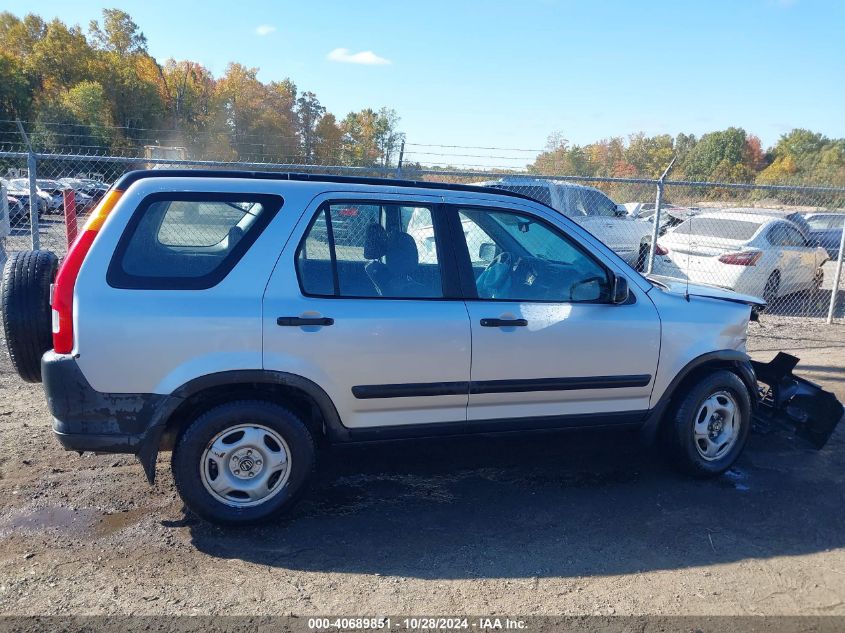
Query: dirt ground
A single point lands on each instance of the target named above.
(587, 523)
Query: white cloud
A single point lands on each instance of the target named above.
(265, 29)
(367, 58)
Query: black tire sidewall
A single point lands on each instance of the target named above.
(193, 441)
(27, 317)
(682, 439)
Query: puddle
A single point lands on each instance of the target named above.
(116, 521)
(52, 518)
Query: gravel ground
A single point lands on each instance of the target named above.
(547, 524)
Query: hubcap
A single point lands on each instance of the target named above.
(245, 465)
(717, 426)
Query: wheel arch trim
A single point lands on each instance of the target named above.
(733, 360)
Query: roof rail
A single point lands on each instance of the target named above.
(133, 176)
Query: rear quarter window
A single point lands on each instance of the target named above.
(188, 241)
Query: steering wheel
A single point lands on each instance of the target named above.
(505, 257)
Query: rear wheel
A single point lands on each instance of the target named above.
(243, 462)
(708, 427)
(27, 320)
(770, 290)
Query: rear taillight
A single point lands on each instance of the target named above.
(742, 258)
(62, 294)
(349, 212)
(659, 250)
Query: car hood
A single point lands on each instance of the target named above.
(682, 288)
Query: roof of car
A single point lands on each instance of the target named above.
(133, 176)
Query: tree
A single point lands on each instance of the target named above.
(18, 37)
(15, 89)
(718, 155)
(309, 112)
(119, 33)
(328, 143)
(61, 57)
(189, 91)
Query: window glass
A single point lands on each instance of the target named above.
(739, 230)
(371, 250)
(819, 222)
(518, 258)
(596, 203)
(188, 240)
(793, 237)
(782, 234)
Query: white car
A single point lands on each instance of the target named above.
(758, 254)
(50, 203)
(628, 236)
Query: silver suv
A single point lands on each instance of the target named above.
(217, 314)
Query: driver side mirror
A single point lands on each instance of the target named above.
(620, 292)
(487, 252)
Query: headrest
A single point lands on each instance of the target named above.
(402, 257)
(375, 241)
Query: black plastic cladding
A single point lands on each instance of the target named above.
(133, 176)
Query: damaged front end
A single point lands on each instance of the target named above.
(797, 402)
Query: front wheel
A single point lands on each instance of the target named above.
(243, 462)
(707, 428)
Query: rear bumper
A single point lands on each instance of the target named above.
(85, 419)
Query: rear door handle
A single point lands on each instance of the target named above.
(503, 322)
(300, 321)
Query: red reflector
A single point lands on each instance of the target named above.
(742, 258)
(659, 250)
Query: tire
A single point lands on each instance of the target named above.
(27, 317)
(642, 256)
(770, 290)
(695, 406)
(246, 431)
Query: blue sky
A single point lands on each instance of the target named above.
(508, 74)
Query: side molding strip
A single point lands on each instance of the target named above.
(409, 390)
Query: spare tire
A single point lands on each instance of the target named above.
(27, 316)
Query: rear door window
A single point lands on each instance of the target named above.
(188, 240)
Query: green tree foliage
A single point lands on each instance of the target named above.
(102, 90)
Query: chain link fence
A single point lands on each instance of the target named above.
(782, 243)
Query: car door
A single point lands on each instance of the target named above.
(796, 259)
(358, 312)
(548, 347)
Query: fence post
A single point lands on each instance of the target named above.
(34, 200)
(836, 278)
(69, 204)
(655, 232)
(401, 156)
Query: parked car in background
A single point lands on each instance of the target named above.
(761, 254)
(50, 203)
(592, 209)
(55, 190)
(91, 188)
(18, 210)
(82, 199)
(826, 228)
(19, 188)
(670, 214)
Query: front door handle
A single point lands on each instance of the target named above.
(503, 322)
(300, 321)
